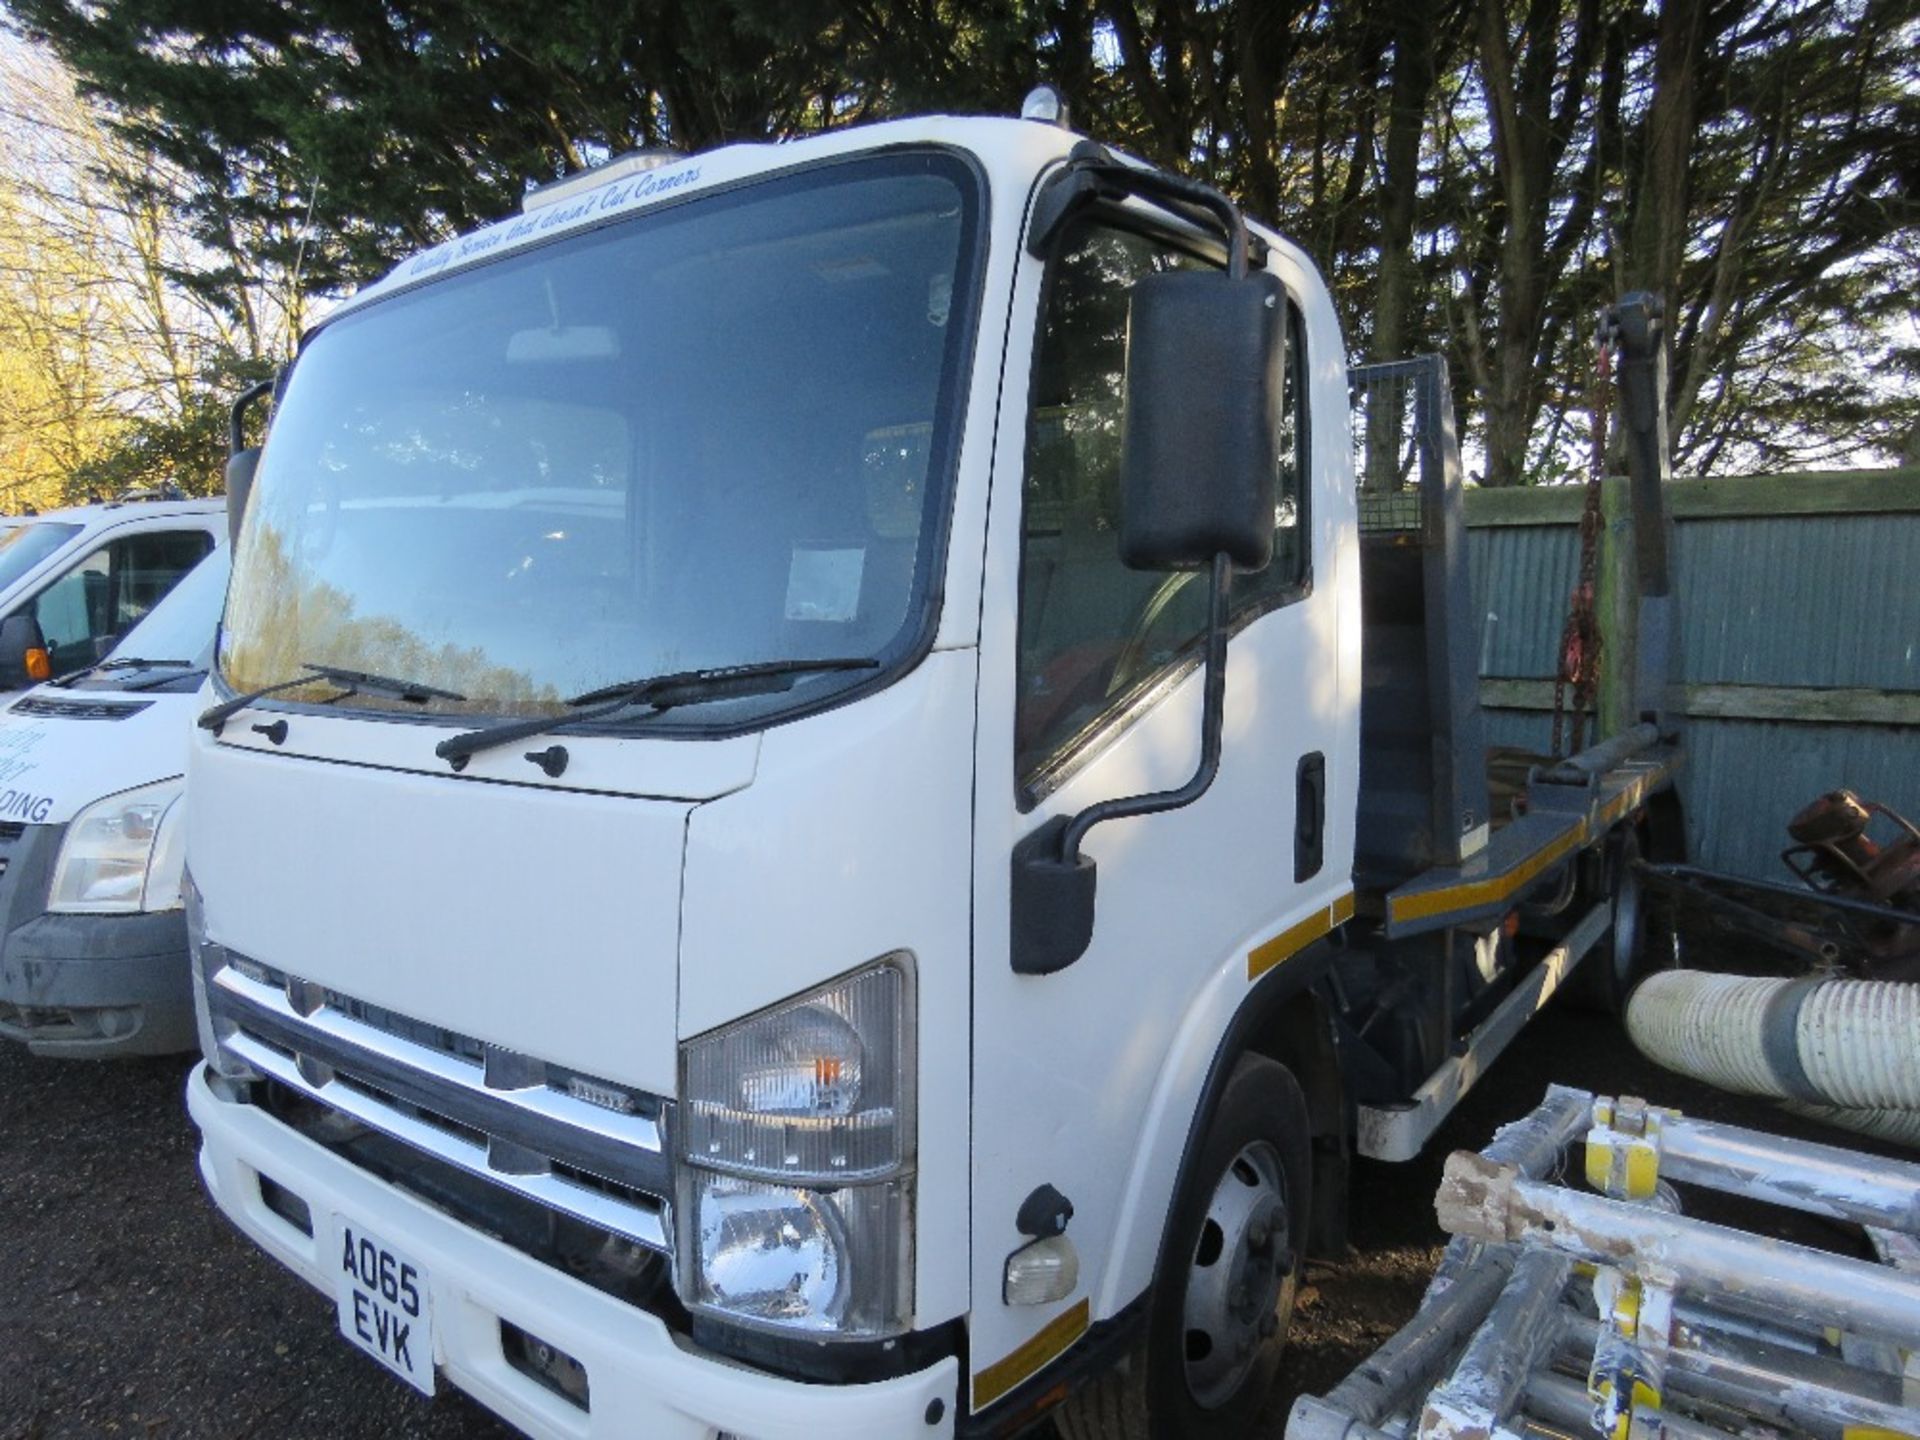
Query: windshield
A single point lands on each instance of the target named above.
(25, 546)
(717, 435)
(181, 626)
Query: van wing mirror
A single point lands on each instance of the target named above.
(240, 467)
(1199, 468)
(23, 652)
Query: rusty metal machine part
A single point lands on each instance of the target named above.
(1836, 853)
(1856, 910)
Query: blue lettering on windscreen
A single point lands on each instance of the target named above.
(595, 202)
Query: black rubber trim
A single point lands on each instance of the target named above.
(833, 1362)
(1780, 1040)
(55, 708)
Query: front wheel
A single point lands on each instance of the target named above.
(1223, 1295)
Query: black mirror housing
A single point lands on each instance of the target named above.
(240, 467)
(18, 634)
(1200, 454)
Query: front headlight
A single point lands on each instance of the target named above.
(795, 1201)
(122, 854)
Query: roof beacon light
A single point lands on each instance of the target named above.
(1045, 104)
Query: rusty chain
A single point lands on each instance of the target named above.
(1580, 637)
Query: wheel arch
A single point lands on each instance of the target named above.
(1286, 1015)
(1296, 1028)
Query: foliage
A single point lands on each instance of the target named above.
(1476, 176)
(186, 449)
(110, 334)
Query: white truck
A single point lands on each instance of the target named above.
(93, 940)
(692, 650)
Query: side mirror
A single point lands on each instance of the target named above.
(240, 467)
(1199, 474)
(1200, 458)
(242, 459)
(23, 653)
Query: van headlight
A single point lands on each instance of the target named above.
(795, 1198)
(123, 854)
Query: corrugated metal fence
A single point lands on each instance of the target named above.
(1800, 656)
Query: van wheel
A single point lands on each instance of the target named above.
(1223, 1296)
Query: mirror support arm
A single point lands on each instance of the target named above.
(1213, 707)
(1053, 882)
(1092, 173)
(237, 414)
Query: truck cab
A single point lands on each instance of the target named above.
(736, 888)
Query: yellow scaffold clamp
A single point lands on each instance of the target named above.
(1623, 1147)
(1630, 1360)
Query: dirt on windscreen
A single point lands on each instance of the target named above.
(131, 1308)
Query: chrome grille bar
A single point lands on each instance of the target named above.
(351, 1065)
(643, 1224)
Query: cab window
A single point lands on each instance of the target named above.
(83, 612)
(1093, 634)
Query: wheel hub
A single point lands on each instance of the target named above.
(1240, 1276)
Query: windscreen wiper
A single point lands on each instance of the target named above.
(659, 692)
(412, 691)
(140, 662)
(130, 662)
(348, 681)
(176, 671)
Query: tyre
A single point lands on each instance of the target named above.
(1223, 1295)
(1639, 940)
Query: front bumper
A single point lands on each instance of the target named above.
(86, 986)
(643, 1380)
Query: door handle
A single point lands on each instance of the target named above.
(1309, 816)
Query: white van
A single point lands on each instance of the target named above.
(85, 576)
(93, 945)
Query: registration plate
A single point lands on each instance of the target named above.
(385, 1307)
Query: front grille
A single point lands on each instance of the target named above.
(513, 1121)
(78, 709)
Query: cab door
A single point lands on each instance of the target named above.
(1084, 1080)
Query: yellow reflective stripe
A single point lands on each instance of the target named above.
(1053, 1339)
(1619, 805)
(1295, 938)
(1637, 790)
(1475, 893)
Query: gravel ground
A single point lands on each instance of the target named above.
(130, 1308)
